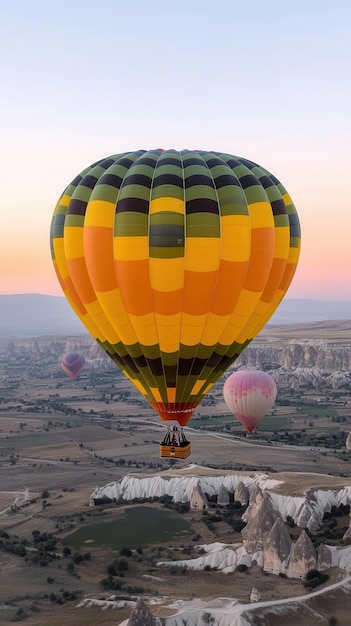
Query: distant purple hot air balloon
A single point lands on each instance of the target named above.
(249, 395)
(72, 364)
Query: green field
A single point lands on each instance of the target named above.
(320, 412)
(272, 424)
(30, 441)
(137, 527)
(206, 421)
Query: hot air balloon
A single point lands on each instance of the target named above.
(174, 261)
(73, 364)
(249, 395)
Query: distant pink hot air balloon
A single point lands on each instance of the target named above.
(249, 395)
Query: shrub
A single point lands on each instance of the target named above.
(121, 565)
(242, 567)
(125, 552)
(77, 558)
(313, 573)
(207, 618)
(111, 570)
(238, 525)
(110, 584)
(19, 615)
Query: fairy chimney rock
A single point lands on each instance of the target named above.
(261, 519)
(313, 523)
(255, 595)
(223, 496)
(276, 548)
(198, 499)
(256, 492)
(256, 496)
(303, 514)
(303, 557)
(241, 494)
(141, 616)
(324, 557)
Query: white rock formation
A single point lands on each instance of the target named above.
(313, 523)
(307, 510)
(276, 549)
(303, 557)
(179, 486)
(226, 558)
(221, 556)
(305, 515)
(324, 557)
(241, 494)
(315, 502)
(348, 441)
(198, 499)
(255, 595)
(261, 519)
(255, 491)
(347, 534)
(223, 496)
(141, 616)
(341, 557)
(256, 496)
(339, 380)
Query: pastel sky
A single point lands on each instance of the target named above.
(269, 81)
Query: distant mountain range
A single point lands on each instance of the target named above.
(33, 315)
(305, 311)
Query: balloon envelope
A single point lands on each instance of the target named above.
(73, 364)
(174, 261)
(249, 395)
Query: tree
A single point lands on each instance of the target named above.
(45, 494)
(77, 558)
(125, 552)
(121, 565)
(111, 570)
(67, 551)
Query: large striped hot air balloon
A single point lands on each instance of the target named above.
(174, 261)
(249, 395)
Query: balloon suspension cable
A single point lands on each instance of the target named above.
(174, 437)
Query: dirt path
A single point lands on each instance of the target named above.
(19, 498)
